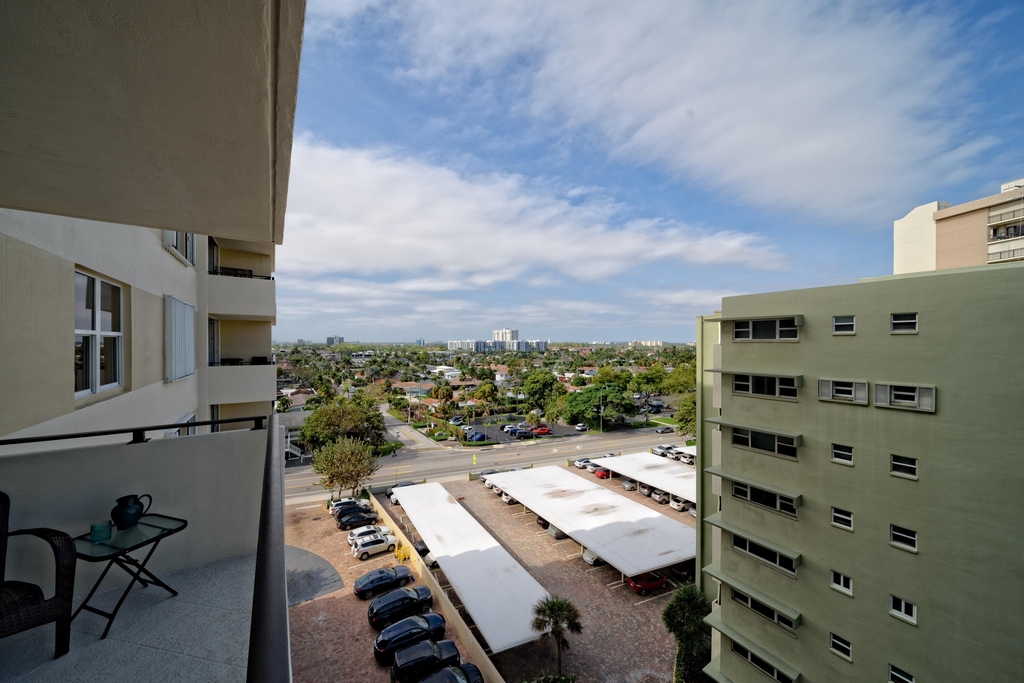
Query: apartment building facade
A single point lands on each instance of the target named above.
(109, 325)
(861, 476)
(938, 235)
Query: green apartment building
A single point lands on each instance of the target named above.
(862, 457)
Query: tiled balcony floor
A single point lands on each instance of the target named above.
(200, 635)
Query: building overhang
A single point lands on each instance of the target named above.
(714, 570)
(798, 379)
(714, 620)
(716, 520)
(719, 472)
(174, 116)
(798, 439)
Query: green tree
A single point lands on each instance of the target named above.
(322, 426)
(684, 618)
(680, 380)
(487, 391)
(538, 385)
(586, 406)
(555, 616)
(283, 404)
(687, 415)
(344, 464)
(532, 419)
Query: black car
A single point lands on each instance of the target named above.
(524, 434)
(397, 605)
(421, 548)
(350, 508)
(408, 631)
(381, 580)
(463, 673)
(543, 523)
(413, 663)
(356, 519)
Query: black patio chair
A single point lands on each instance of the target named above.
(22, 605)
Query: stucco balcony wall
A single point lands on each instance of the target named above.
(240, 298)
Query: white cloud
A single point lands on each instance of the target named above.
(358, 212)
(835, 109)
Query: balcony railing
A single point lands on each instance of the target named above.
(1007, 255)
(1007, 232)
(1005, 216)
(212, 480)
(238, 272)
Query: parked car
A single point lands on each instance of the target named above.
(581, 463)
(629, 484)
(662, 450)
(497, 490)
(390, 493)
(468, 428)
(654, 410)
(678, 503)
(692, 512)
(524, 434)
(463, 673)
(512, 430)
(505, 427)
(349, 508)
(342, 503)
(659, 496)
(645, 489)
(656, 403)
(381, 580)
(430, 561)
(364, 531)
(421, 548)
(508, 500)
(457, 421)
(523, 425)
(647, 582)
(581, 427)
(408, 631)
(541, 430)
(356, 519)
(663, 430)
(478, 436)
(591, 558)
(603, 473)
(543, 523)
(484, 475)
(371, 545)
(397, 605)
(412, 664)
(592, 466)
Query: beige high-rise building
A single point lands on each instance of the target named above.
(938, 235)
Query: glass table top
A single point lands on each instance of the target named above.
(151, 528)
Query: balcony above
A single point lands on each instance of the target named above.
(1006, 249)
(242, 298)
(173, 117)
(242, 383)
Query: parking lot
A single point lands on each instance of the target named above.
(495, 433)
(623, 639)
(330, 636)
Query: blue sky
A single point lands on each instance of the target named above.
(608, 171)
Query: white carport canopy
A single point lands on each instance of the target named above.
(627, 535)
(495, 589)
(661, 473)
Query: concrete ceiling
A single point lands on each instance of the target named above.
(175, 115)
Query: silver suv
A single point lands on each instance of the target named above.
(371, 545)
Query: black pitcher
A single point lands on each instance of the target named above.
(129, 510)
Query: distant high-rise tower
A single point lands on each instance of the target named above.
(505, 334)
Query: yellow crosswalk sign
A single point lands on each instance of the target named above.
(474, 458)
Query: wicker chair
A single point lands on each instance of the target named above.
(21, 604)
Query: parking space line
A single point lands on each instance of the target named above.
(309, 507)
(615, 585)
(569, 557)
(562, 541)
(592, 569)
(652, 598)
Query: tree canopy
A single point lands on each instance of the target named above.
(684, 618)
(345, 464)
(555, 616)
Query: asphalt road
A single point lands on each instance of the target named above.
(421, 458)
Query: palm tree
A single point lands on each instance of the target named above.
(555, 616)
(684, 618)
(283, 404)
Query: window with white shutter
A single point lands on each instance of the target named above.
(179, 339)
(841, 390)
(905, 397)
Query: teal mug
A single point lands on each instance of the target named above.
(100, 532)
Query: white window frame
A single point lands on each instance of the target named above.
(905, 319)
(742, 491)
(837, 448)
(843, 391)
(903, 609)
(903, 532)
(748, 601)
(788, 442)
(743, 330)
(898, 473)
(844, 649)
(839, 325)
(187, 427)
(843, 519)
(898, 675)
(96, 336)
(743, 547)
(841, 582)
(924, 397)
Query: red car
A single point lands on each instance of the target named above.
(602, 473)
(646, 582)
(541, 431)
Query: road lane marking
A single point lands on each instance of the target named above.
(309, 507)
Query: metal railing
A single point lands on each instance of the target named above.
(138, 433)
(270, 656)
(1006, 255)
(238, 272)
(1008, 232)
(1005, 216)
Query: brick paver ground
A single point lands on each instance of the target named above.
(623, 639)
(330, 637)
